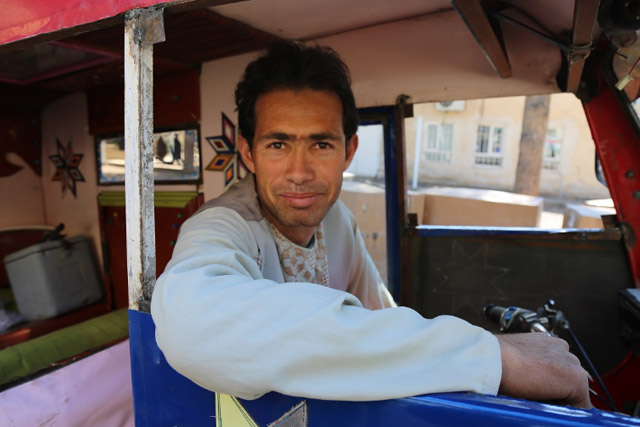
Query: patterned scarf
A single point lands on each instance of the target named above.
(300, 264)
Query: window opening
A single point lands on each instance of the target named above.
(552, 148)
(438, 142)
(489, 145)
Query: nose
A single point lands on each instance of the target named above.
(299, 167)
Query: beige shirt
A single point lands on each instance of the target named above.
(300, 264)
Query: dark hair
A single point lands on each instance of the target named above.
(292, 65)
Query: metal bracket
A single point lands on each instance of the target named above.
(578, 53)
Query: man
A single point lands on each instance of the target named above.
(270, 287)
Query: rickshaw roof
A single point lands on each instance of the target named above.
(24, 19)
(432, 51)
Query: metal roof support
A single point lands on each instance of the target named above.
(585, 14)
(143, 28)
(475, 18)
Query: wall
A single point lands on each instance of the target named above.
(20, 169)
(217, 83)
(576, 175)
(66, 120)
(574, 178)
(462, 170)
(21, 192)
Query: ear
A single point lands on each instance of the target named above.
(352, 146)
(245, 151)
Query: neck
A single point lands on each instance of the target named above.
(299, 237)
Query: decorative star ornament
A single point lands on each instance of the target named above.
(67, 171)
(227, 158)
(230, 412)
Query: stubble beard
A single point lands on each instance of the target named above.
(290, 216)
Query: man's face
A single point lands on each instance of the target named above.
(299, 153)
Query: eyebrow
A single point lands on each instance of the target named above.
(282, 136)
(323, 136)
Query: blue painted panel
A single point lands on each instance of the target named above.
(386, 117)
(162, 397)
(437, 410)
(466, 230)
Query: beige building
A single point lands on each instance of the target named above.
(474, 143)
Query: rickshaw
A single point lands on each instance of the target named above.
(402, 54)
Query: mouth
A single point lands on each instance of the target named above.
(300, 200)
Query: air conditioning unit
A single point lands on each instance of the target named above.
(450, 106)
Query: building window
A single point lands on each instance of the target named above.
(438, 141)
(489, 146)
(552, 146)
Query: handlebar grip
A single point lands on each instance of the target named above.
(493, 313)
(514, 319)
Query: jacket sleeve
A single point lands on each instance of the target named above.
(224, 326)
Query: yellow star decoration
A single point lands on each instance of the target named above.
(231, 411)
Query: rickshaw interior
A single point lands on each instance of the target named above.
(63, 91)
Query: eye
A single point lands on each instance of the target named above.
(277, 145)
(323, 145)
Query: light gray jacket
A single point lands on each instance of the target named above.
(225, 319)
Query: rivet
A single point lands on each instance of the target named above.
(636, 194)
(629, 174)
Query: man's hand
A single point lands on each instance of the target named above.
(538, 367)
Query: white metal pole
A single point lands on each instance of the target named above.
(143, 28)
(416, 157)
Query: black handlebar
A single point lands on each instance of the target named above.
(548, 320)
(515, 319)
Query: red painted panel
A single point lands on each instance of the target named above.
(21, 19)
(176, 101)
(618, 146)
(168, 222)
(622, 383)
(20, 134)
